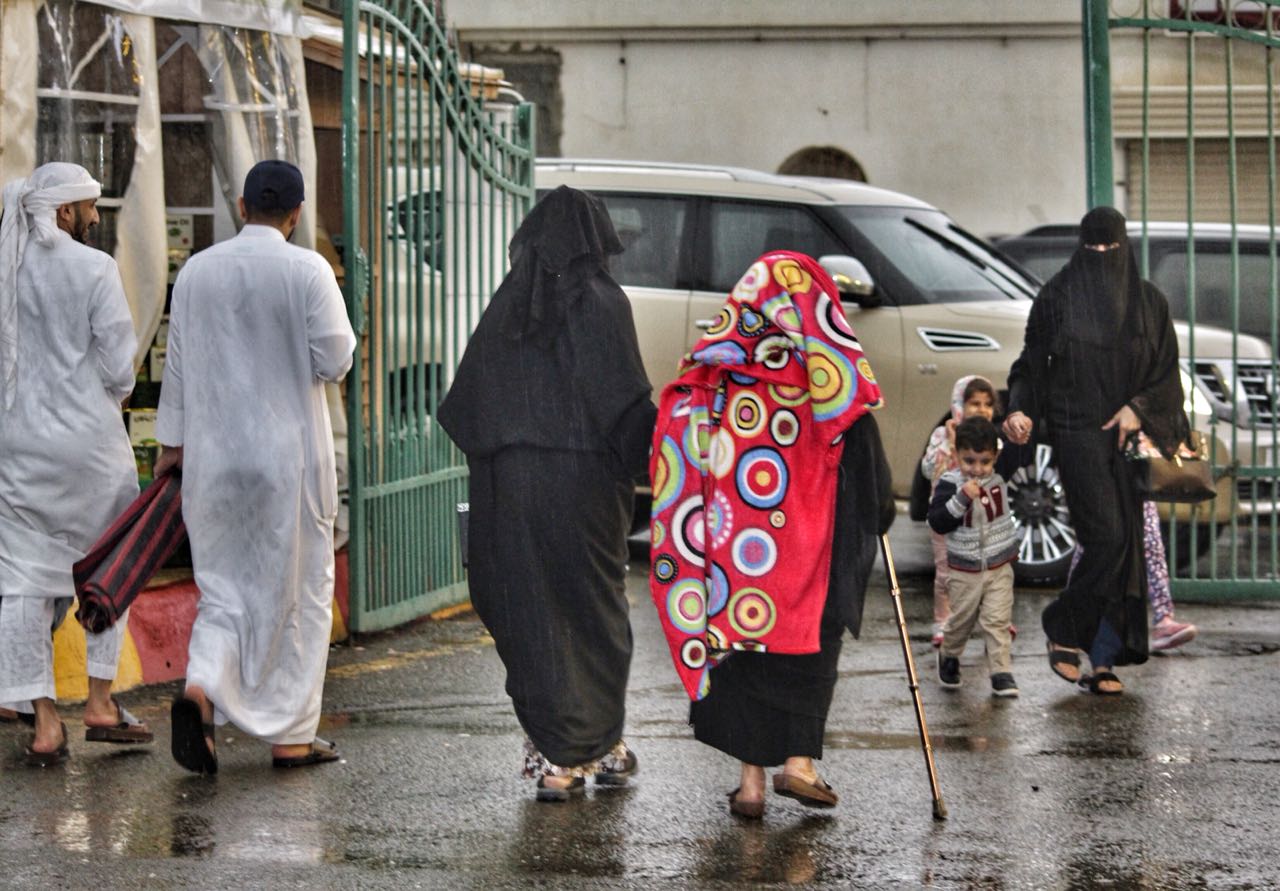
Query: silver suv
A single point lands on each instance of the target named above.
(930, 302)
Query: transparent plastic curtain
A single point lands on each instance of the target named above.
(258, 97)
(94, 101)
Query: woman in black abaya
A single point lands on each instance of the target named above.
(551, 406)
(1099, 362)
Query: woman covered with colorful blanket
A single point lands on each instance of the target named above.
(551, 406)
(764, 455)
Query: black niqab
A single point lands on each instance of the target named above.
(1103, 284)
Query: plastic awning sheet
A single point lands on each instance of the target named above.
(274, 16)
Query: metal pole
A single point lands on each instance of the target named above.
(1099, 176)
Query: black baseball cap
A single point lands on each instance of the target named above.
(273, 186)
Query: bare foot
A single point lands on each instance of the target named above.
(801, 768)
(48, 736)
(548, 781)
(198, 696)
(751, 787)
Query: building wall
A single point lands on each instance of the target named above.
(974, 106)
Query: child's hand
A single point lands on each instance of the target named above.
(971, 488)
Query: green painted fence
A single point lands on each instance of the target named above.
(437, 174)
(1207, 84)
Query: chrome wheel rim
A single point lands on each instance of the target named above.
(1040, 514)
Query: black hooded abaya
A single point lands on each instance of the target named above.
(551, 406)
(1099, 338)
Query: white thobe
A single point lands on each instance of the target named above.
(66, 467)
(255, 328)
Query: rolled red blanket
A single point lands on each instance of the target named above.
(123, 560)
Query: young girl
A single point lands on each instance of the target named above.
(972, 396)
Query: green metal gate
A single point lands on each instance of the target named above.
(1207, 81)
(436, 177)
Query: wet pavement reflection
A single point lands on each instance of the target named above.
(1172, 786)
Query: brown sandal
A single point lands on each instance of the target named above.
(815, 794)
(128, 729)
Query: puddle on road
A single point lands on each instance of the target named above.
(951, 742)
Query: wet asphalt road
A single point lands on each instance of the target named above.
(1174, 785)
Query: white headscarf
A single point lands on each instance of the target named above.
(29, 206)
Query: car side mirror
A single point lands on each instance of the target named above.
(852, 279)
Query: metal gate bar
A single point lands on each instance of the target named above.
(434, 183)
(1240, 544)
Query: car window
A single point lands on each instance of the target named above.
(651, 229)
(1214, 283)
(422, 212)
(1041, 260)
(943, 262)
(743, 230)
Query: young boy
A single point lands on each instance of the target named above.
(970, 506)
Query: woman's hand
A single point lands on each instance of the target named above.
(1126, 422)
(1017, 428)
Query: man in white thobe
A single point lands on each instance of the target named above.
(66, 467)
(256, 327)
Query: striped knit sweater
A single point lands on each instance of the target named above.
(976, 539)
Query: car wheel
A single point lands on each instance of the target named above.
(1046, 540)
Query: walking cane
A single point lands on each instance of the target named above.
(939, 809)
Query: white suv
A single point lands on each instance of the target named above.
(930, 302)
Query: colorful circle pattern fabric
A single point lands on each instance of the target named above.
(664, 568)
(754, 552)
(784, 426)
(717, 590)
(792, 276)
(751, 282)
(751, 323)
(688, 530)
(752, 613)
(724, 322)
(668, 476)
(762, 478)
(784, 314)
(719, 519)
(722, 453)
(832, 321)
(724, 353)
(774, 351)
(790, 396)
(832, 380)
(687, 606)
(747, 414)
(693, 653)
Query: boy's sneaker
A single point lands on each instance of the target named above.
(948, 670)
(1003, 684)
(1167, 634)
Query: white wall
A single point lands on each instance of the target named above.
(973, 105)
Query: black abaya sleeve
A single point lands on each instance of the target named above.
(1029, 374)
(864, 510)
(1158, 401)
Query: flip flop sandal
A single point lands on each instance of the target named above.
(815, 794)
(577, 786)
(192, 738)
(1093, 682)
(620, 775)
(127, 730)
(49, 759)
(322, 752)
(26, 718)
(1058, 656)
(747, 810)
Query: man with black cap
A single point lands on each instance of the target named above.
(257, 325)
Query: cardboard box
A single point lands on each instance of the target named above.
(142, 426)
(156, 357)
(176, 260)
(180, 229)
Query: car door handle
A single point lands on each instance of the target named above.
(704, 324)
